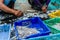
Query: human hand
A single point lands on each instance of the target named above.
(44, 9)
(18, 13)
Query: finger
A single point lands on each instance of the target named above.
(20, 14)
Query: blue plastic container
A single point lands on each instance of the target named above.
(5, 31)
(34, 23)
(49, 37)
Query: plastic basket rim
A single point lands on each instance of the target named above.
(52, 19)
(42, 36)
(47, 36)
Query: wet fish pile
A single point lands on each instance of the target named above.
(25, 32)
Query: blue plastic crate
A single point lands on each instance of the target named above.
(49, 37)
(5, 31)
(34, 23)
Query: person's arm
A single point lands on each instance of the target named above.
(9, 10)
(47, 2)
(5, 8)
(37, 2)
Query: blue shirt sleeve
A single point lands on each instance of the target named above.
(13, 0)
(6, 2)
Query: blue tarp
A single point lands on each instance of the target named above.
(54, 4)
